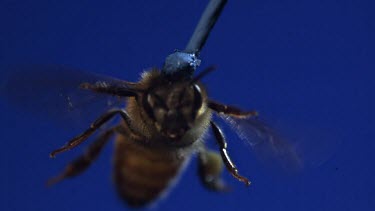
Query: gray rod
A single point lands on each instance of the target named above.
(205, 24)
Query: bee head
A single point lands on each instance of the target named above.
(174, 107)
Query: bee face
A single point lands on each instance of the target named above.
(174, 108)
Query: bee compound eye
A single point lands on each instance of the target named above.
(147, 104)
(150, 101)
(197, 97)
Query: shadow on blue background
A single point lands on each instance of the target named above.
(304, 65)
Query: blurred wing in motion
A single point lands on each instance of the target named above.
(266, 143)
(54, 91)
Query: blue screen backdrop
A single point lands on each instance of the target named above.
(306, 66)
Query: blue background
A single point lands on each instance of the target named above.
(305, 65)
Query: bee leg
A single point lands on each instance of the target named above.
(124, 91)
(93, 127)
(230, 110)
(224, 154)
(81, 163)
(210, 166)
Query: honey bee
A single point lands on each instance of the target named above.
(167, 115)
(163, 124)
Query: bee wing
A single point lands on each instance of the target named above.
(53, 91)
(267, 144)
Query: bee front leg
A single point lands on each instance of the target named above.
(124, 90)
(224, 154)
(210, 167)
(93, 127)
(230, 110)
(81, 163)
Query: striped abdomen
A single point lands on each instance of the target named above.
(142, 174)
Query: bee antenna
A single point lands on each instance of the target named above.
(203, 73)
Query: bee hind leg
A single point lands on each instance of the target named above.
(81, 163)
(225, 156)
(210, 167)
